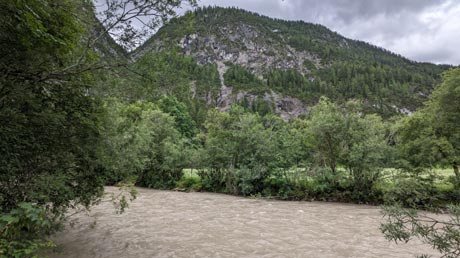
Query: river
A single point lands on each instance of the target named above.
(177, 224)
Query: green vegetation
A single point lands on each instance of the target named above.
(142, 144)
(23, 229)
(436, 141)
(76, 117)
(52, 147)
(442, 234)
(346, 69)
(49, 122)
(337, 153)
(242, 79)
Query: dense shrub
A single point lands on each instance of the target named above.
(278, 186)
(251, 180)
(415, 192)
(190, 183)
(143, 145)
(213, 180)
(23, 230)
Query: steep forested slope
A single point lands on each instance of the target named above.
(275, 65)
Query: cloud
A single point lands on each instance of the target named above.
(422, 30)
(439, 41)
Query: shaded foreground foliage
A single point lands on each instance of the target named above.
(442, 233)
(50, 119)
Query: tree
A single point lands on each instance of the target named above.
(445, 114)
(415, 141)
(142, 145)
(178, 110)
(432, 136)
(327, 127)
(291, 148)
(117, 17)
(126, 140)
(165, 156)
(49, 123)
(50, 120)
(238, 151)
(364, 151)
(442, 233)
(345, 136)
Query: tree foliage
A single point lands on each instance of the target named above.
(50, 115)
(427, 139)
(118, 16)
(431, 137)
(142, 145)
(22, 230)
(184, 122)
(49, 122)
(443, 234)
(344, 136)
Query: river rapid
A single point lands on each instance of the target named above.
(177, 224)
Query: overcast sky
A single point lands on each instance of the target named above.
(422, 30)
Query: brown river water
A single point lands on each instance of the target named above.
(177, 224)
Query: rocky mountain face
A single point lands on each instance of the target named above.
(247, 47)
(289, 65)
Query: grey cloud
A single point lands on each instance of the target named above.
(401, 26)
(341, 10)
(351, 10)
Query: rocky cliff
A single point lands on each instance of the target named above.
(294, 63)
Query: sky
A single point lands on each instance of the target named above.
(421, 30)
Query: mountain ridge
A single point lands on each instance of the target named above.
(292, 61)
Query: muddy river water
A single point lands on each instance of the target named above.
(176, 224)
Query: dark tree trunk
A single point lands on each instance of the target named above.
(457, 175)
(331, 154)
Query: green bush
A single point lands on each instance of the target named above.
(250, 180)
(286, 186)
(23, 231)
(448, 195)
(243, 181)
(278, 186)
(213, 180)
(160, 179)
(414, 192)
(190, 183)
(372, 194)
(326, 185)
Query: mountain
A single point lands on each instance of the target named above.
(227, 55)
(105, 45)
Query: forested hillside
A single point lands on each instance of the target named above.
(260, 59)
